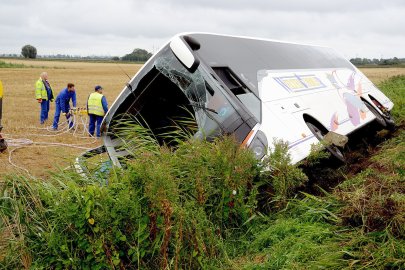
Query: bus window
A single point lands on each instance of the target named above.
(239, 89)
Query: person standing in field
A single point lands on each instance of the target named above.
(96, 108)
(43, 94)
(63, 105)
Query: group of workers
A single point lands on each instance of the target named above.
(96, 104)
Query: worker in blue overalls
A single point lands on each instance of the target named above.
(43, 94)
(63, 105)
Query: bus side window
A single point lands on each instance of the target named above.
(230, 80)
(245, 96)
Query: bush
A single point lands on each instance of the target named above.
(282, 179)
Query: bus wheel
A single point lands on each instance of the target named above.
(319, 132)
(383, 119)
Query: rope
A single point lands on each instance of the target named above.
(78, 118)
(20, 143)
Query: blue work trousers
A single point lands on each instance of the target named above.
(44, 111)
(95, 120)
(58, 110)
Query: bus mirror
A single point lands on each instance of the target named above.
(184, 53)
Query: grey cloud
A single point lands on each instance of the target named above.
(291, 5)
(119, 26)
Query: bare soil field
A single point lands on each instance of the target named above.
(21, 111)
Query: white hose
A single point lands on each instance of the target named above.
(20, 143)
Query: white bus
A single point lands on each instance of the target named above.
(255, 89)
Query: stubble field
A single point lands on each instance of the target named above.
(45, 152)
(40, 151)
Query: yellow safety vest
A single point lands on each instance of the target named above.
(40, 90)
(94, 105)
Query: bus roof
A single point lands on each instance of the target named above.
(246, 56)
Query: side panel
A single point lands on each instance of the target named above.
(331, 96)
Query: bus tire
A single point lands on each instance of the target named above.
(385, 120)
(319, 132)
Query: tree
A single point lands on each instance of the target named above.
(138, 55)
(356, 61)
(29, 51)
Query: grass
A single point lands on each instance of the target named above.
(11, 65)
(161, 212)
(4, 64)
(395, 89)
(375, 198)
(357, 225)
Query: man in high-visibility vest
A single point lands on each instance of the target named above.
(96, 108)
(43, 94)
(3, 144)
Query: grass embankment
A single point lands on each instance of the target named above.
(209, 205)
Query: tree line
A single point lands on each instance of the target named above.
(379, 62)
(137, 55)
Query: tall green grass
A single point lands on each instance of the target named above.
(358, 225)
(394, 88)
(167, 209)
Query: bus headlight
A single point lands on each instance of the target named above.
(259, 145)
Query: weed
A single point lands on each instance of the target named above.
(283, 179)
(316, 155)
(378, 250)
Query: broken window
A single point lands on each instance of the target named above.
(214, 113)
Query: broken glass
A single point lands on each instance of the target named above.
(212, 108)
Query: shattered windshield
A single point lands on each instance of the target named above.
(213, 111)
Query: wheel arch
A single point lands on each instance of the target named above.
(313, 120)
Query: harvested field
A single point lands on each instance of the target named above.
(377, 75)
(21, 111)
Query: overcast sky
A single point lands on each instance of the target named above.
(356, 28)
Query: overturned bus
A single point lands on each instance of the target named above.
(255, 89)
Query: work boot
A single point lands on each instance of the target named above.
(3, 144)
